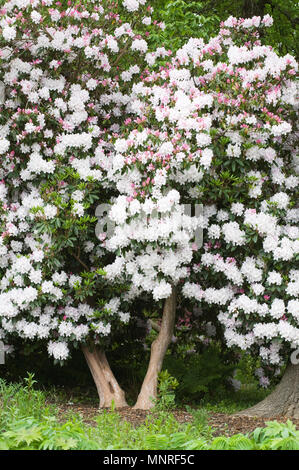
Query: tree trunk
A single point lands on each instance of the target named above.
(108, 388)
(283, 401)
(158, 350)
(253, 8)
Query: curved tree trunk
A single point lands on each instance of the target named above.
(159, 347)
(108, 388)
(283, 401)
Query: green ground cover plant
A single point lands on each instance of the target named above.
(29, 422)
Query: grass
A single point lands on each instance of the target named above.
(27, 421)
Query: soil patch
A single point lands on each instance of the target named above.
(221, 423)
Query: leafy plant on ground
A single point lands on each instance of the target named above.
(167, 385)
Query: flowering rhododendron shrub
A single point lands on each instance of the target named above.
(67, 70)
(157, 170)
(248, 269)
(189, 138)
(216, 126)
(87, 118)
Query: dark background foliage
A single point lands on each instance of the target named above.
(188, 18)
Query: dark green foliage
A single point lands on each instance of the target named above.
(200, 374)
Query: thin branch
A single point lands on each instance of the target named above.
(157, 328)
(124, 50)
(80, 261)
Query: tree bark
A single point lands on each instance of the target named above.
(159, 347)
(283, 401)
(108, 388)
(253, 8)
